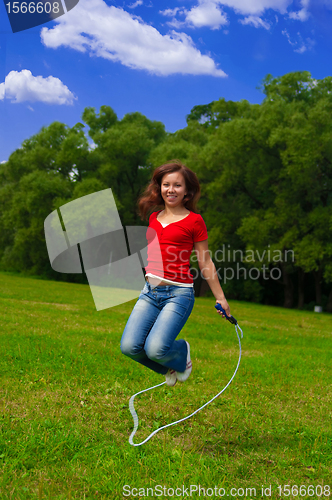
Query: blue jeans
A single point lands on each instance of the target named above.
(156, 320)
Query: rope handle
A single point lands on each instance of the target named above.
(231, 319)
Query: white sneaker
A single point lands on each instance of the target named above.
(182, 376)
(171, 377)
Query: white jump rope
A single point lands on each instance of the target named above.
(131, 401)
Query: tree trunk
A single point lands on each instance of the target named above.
(318, 286)
(198, 284)
(329, 302)
(300, 303)
(204, 288)
(288, 286)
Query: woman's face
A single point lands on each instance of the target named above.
(173, 189)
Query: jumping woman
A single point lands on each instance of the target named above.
(167, 299)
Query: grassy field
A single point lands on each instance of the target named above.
(65, 388)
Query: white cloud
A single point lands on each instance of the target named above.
(303, 14)
(286, 34)
(300, 46)
(169, 12)
(207, 13)
(255, 21)
(112, 33)
(254, 7)
(20, 86)
(257, 7)
(174, 23)
(135, 4)
(301, 49)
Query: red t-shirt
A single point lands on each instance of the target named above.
(170, 247)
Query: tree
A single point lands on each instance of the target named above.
(299, 109)
(37, 178)
(267, 174)
(122, 154)
(32, 200)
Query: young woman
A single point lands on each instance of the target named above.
(167, 299)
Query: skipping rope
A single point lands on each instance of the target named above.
(232, 320)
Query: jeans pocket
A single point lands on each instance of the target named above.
(185, 292)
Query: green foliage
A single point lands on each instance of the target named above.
(212, 115)
(86, 187)
(23, 218)
(183, 144)
(106, 119)
(266, 175)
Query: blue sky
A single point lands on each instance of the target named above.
(160, 58)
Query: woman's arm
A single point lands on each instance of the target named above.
(209, 272)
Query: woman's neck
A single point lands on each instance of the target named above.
(174, 212)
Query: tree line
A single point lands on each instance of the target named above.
(265, 172)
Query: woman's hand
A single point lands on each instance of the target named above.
(225, 306)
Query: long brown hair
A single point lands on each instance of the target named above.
(151, 198)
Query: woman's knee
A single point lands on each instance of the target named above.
(155, 351)
(129, 349)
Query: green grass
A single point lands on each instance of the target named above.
(65, 388)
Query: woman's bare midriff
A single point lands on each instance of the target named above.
(156, 282)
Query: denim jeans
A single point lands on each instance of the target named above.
(156, 320)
